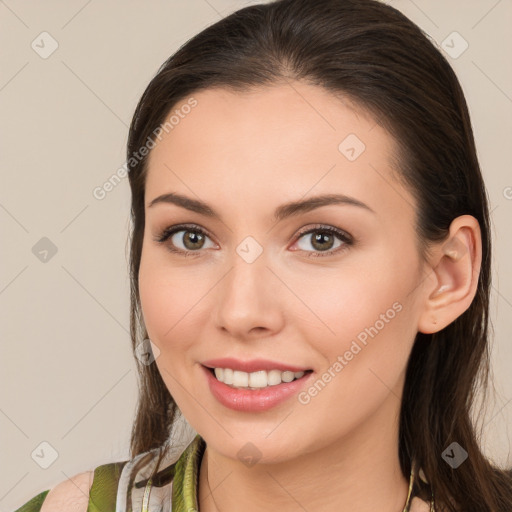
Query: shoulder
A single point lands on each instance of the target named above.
(71, 494)
(75, 494)
(418, 505)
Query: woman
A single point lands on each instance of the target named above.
(310, 258)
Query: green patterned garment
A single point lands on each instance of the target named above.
(181, 486)
(118, 486)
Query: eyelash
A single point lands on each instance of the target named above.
(342, 235)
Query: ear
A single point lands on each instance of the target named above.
(453, 279)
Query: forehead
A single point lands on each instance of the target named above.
(274, 143)
(294, 111)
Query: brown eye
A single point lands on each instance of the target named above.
(191, 240)
(184, 239)
(324, 239)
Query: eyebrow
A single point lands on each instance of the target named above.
(280, 213)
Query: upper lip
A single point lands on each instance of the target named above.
(252, 365)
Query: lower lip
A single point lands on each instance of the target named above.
(257, 400)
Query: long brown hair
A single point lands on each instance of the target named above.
(371, 54)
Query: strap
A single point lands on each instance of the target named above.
(184, 493)
(103, 493)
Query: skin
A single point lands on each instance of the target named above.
(245, 154)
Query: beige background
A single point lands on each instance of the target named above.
(67, 374)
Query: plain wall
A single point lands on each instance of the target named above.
(67, 373)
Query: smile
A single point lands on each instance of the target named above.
(241, 397)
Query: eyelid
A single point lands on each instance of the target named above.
(324, 227)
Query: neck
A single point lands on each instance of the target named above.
(360, 472)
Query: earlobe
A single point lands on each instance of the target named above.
(455, 268)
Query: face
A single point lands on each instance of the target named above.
(332, 288)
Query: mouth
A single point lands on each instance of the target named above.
(257, 380)
(255, 392)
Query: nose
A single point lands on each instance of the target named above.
(248, 300)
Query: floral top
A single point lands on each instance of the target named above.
(136, 485)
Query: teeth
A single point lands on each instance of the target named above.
(227, 375)
(255, 380)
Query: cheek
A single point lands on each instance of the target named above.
(174, 305)
(153, 301)
(164, 293)
(365, 359)
(366, 316)
(343, 301)
(164, 304)
(163, 296)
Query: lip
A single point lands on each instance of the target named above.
(253, 365)
(248, 400)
